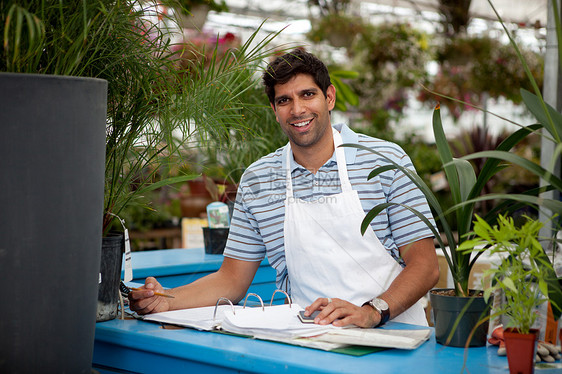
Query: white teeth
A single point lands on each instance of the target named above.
(301, 124)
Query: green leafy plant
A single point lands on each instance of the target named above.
(226, 159)
(153, 107)
(520, 275)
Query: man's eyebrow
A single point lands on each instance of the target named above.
(278, 98)
(301, 92)
(311, 89)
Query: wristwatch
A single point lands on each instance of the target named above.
(382, 307)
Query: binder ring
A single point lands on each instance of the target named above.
(286, 296)
(256, 295)
(217, 305)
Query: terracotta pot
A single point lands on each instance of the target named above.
(521, 350)
(194, 203)
(198, 187)
(194, 206)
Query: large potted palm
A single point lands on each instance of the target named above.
(53, 241)
(145, 141)
(155, 107)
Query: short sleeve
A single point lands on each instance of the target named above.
(244, 239)
(406, 227)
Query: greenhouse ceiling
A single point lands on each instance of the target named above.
(522, 12)
(296, 16)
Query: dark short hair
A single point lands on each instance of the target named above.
(298, 61)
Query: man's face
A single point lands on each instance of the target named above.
(302, 110)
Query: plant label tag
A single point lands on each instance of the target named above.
(218, 215)
(128, 262)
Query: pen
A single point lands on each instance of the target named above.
(156, 293)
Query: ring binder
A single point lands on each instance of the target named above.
(246, 298)
(281, 323)
(286, 295)
(256, 295)
(217, 305)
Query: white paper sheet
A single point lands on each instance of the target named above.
(401, 339)
(197, 318)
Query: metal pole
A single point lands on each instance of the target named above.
(552, 90)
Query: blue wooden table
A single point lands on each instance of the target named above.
(143, 347)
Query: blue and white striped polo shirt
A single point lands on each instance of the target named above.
(256, 228)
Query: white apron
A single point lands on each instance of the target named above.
(326, 254)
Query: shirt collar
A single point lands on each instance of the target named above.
(348, 136)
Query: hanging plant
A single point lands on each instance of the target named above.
(340, 30)
(390, 58)
(187, 5)
(471, 68)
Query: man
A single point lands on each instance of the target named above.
(302, 206)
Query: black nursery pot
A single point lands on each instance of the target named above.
(215, 240)
(110, 276)
(446, 310)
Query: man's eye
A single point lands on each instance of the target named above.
(281, 101)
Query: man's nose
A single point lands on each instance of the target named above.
(298, 107)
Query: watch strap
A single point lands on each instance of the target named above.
(385, 313)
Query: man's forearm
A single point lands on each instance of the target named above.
(231, 281)
(416, 279)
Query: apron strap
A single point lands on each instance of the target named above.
(340, 159)
(289, 181)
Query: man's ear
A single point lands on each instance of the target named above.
(331, 97)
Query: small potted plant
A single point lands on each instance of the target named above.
(519, 277)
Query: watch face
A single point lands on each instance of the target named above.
(380, 304)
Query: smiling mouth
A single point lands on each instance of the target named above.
(302, 123)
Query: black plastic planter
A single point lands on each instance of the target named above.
(215, 239)
(446, 310)
(52, 152)
(110, 274)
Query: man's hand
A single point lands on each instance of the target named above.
(342, 313)
(143, 301)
